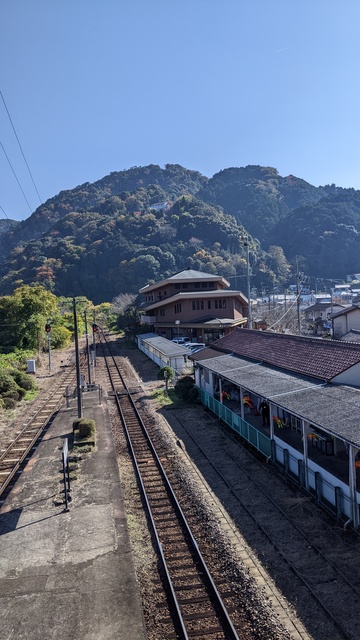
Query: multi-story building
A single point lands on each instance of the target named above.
(195, 305)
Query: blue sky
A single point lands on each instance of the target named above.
(94, 86)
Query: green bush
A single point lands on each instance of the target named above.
(193, 395)
(23, 379)
(9, 403)
(86, 427)
(60, 337)
(165, 373)
(8, 386)
(183, 387)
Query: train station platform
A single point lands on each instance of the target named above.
(68, 574)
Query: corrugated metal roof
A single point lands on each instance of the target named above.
(165, 346)
(333, 408)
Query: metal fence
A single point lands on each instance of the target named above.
(329, 495)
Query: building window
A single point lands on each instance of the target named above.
(162, 312)
(178, 307)
(238, 306)
(197, 285)
(296, 424)
(224, 304)
(209, 304)
(185, 285)
(177, 286)
(197, 305)
(216, 304)
(202, 305)
(204, 285)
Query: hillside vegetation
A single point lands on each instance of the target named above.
(141, 225)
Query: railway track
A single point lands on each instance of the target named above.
(17, 452)
(203, 602)
(197, 608)
(299, 552)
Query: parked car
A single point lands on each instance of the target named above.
(195, 346)
(181, 341)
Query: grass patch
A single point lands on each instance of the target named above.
(84, 430)
(86, 448)
(31, 394)
(169, 400)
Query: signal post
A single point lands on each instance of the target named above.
(48, 332)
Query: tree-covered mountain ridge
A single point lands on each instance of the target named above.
(145, 223)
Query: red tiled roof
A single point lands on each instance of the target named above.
(312, 357)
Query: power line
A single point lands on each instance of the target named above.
(13, 223)
(4, 212)
(22, 153)
(17, 179)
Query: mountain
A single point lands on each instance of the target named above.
(7, 225)
(146, 223)
(258, 197)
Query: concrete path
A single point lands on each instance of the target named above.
(68, 575)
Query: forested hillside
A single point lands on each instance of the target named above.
(131, 227)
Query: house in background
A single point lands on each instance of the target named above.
(317, 316)
(345, 321)
(195, 305)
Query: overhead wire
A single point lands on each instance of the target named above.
(13, 223)
(23, 155)
(286, 312)
(16, 178)
(4, 212)
(20, 147)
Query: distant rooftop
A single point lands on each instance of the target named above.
(183, 276)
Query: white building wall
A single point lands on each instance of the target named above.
(351, 376)
(340, 326)
(354, 320)
(347, 322)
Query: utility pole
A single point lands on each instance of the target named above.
(87, 347)
(246, 244)
(298, 296)
(78, 381)
(48, 331)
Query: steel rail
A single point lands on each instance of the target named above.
(32, 433)
(223, 615)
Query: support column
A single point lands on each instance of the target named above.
(271, 413)
(302, 474)
(338, 502)
(352, 486)
(305, 430)
(318, 486)
(242, 403)
(286, 461)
